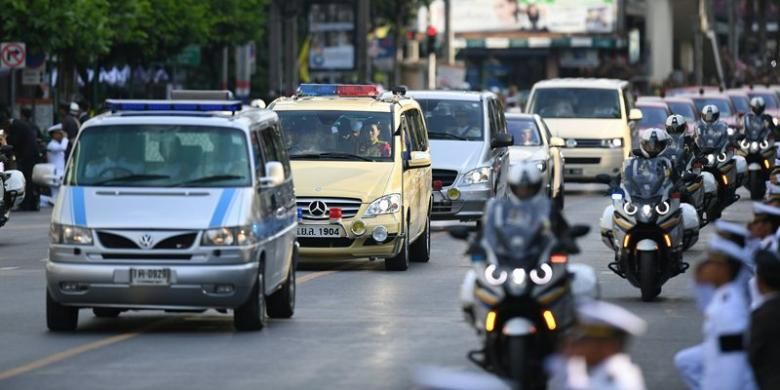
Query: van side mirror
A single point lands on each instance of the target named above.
(502, 140)
(274, 175)
(557, 142)
(44, 175)
(418, 159)
(635, 114)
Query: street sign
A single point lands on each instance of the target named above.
(189, 56)
(34, 76)
(12, 55)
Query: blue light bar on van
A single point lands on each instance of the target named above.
(173, 105)
(343, 90)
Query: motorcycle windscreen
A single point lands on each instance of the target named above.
(755, 131)
(645, 178)
(675, 152)
(518, 232)
(712, 138)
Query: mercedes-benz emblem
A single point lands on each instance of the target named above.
(571, 143)
(318, 208)
(145, 241)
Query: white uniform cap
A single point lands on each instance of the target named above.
(731, 228)
(728, 248)
(601, 313)
(765, 209)
(772, 189)
(74, 107)
(57, 127)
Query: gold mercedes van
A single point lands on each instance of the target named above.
(362, 170)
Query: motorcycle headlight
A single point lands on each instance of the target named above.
(70, 235)
(663, 208)
(547, 274)
(647, 211)
(612, 143)
(229, 236)
(495, 277)
(387, 204)
(764, 144)
(744, 144)
(722, 157)
(477, 176)
(753, 147)
(542, 165)
(731, 131)
(710, 159)
(630, 208)
(518, 276)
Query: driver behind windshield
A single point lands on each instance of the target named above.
(113, 155)
(465, 127)
(375, 145)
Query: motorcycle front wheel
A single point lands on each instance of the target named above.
(757, 185)
(648, 276)
(519, 365)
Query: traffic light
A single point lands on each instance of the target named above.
(430, 41)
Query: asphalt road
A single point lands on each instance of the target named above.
(356, 326)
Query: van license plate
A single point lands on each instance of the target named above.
(326, 231)
(150, 276)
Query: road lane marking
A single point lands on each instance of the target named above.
(8, 268)
(75, 351)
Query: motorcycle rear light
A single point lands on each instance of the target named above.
(549, 319)
(437, 185)
(559, 258)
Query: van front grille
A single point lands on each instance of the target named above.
(317, 209)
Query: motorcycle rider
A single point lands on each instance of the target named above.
(757, 107)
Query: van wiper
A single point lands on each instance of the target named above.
(208, 179)
(336, 155)
(131, 178)
(443, 135)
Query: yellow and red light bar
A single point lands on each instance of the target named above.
(342, 90)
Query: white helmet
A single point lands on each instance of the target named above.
(757, 105)
(676, 124)
(653, 141)
(525, 180)
(74, 108)
(710, 113)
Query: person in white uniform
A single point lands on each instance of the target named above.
(720, 361)
(56, 150)
(595, 353)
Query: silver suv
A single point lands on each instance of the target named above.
(469, 139)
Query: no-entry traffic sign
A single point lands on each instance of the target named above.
(13, 55)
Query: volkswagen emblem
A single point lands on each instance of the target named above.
(145, 241)
(318, 208)
(571, 143)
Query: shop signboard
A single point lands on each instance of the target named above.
(332, 34)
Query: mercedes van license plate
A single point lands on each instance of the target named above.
(320, 231)
(150, 276)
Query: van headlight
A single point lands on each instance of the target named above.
(229, 236)
(70, 235)
(477, 176)
(387, 204)
(612, 143)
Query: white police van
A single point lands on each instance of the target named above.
(174, 205)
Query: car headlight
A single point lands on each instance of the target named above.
(722, 157)
(663, 208)
(542, 165)
(612, 143)
(629, 208)
(70, 235)
(477, 176)
(229, 236)
(387, 204)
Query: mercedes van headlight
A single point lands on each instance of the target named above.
(70, 235)
(229, 236)
(387, 204)
(477, 176)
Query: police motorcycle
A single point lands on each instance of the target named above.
(699, 189)
(647, 225)
(12, 185)
(715, 143)
(519, 295)
(757, 146)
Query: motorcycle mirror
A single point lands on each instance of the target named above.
(459, 232)
(579, 230)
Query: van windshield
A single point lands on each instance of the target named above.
(453, 119)
(160, 156)
(338, 135)
(591, 103)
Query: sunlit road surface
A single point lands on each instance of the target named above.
(356, 326)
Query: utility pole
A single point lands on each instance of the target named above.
(290, 64)
(361, 39)
(274, 47)
(449, 51)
